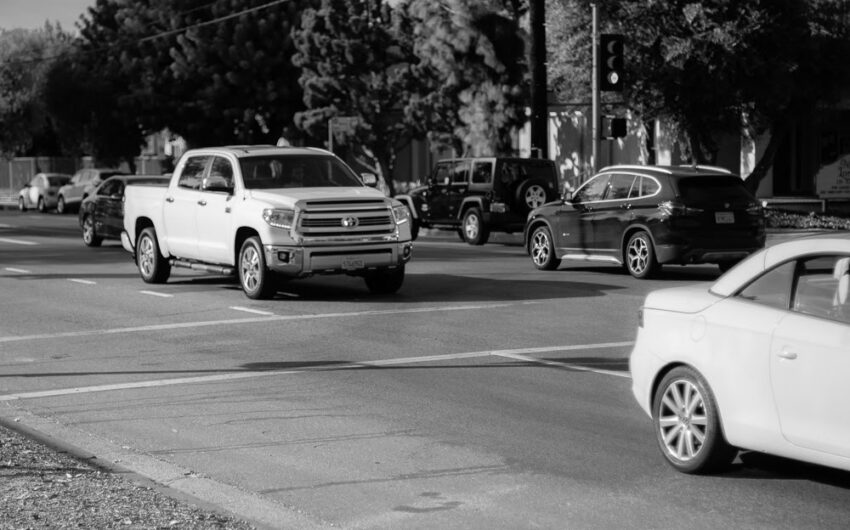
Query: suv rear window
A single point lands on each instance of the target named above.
(513, 171)
(712, 188)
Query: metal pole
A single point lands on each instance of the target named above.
(331, 135)
(594, 128)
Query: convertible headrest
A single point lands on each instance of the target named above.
(842, 274)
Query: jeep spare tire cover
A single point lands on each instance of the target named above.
(531, 194)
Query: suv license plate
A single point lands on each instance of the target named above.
(724, 217)
(351, 264)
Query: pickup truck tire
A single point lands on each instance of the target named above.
(153, 267)
(258, 282)
(385, 281)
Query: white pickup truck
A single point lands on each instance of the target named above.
(267, 213)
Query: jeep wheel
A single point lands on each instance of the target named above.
(531, 194)
(258, 282)
(153, 267)
(542, 249)
(474, 230)
(640, 256)
(385, 281)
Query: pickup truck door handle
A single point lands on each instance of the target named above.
(202, 202)
(785, 354)
(169, 199)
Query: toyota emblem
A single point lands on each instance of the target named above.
(350, 222)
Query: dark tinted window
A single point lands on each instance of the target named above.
(192, 172)
(58, 181)
(460, 172)
(713, 188)
(620, 186)
(110, 187)
(511, 171)
(482, 172)
(593, 190)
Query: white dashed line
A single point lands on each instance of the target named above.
(518, 354)
(19, 271)
(154, 293)
(249, 310)
(84, 282)
(17, 241)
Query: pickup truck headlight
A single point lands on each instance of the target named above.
(401, 214)
(279, 217)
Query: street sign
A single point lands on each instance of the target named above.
(341, 127)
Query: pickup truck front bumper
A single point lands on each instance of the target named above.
(351, 259)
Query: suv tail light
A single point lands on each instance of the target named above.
(674, 209)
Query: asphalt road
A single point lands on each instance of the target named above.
(485, 394)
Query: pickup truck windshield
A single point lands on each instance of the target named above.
(296, 171)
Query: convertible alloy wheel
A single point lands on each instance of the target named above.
(535, 196)
(688, 425)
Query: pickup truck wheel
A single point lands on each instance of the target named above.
(386, 281)
(257, 281)
(90, 237)
(475, 232)
(153, 267)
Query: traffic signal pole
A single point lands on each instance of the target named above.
(594, 119)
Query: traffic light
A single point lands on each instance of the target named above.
(610, 62)
(613, 127)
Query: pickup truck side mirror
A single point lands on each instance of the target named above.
(370, 179)
(217, 183)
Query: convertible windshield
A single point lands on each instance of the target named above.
(296, 171)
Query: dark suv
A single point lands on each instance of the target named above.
(477, 196)
(644, 216)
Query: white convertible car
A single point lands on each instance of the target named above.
(760, 360)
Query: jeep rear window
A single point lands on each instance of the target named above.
(296, 171)
(712, 188)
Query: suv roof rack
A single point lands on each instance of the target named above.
(709, 168)
(657, 169)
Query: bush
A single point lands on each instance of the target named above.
(784, 219)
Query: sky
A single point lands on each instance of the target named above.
(32, 14)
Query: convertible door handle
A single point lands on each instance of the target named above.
(785, 354)
(202, 202)
(626, 206)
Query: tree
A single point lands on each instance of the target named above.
(25, 58)
(352, 64)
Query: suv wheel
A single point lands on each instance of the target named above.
(531, 194)
(385, 281)
(474, 230)
(542, 249)
(640, 256)
(258, 282)
(90, 237)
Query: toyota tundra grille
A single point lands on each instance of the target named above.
(345, 218)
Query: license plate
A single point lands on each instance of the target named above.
(724, 217)
(351, 264)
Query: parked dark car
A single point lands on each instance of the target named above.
(477, 196)
(644, 216)
(102, 212)
(82, 184)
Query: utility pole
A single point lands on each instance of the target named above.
(539, 103)
(594, 119)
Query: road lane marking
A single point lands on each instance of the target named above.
(84, 282)
(154, 293)
(237, 321)
(19, 271)
(17, 241)
(517, 354)
(249, 310)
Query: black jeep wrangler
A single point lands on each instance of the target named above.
(476, 196)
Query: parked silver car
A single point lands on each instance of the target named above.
(41, 191)
(82, 185)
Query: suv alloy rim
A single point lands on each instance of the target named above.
(682, 420)
(535, 196)
(638, 255)
(540, 248)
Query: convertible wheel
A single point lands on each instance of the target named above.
(90, 237)
(60, 205)
(21, 204)
(474, 230)
(542, 249)
(41, 207)
(640, 256)
(153, 267)
(257, 281)
(687, 423)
